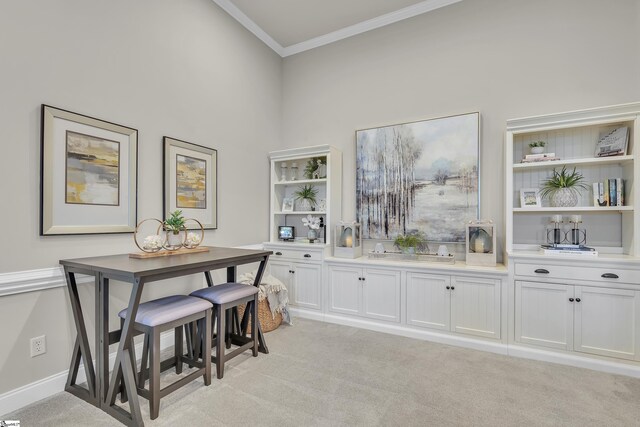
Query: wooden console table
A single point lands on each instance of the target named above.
(102, 388)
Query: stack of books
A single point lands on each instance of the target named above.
(608, 193)
(565, 249)
(544, 157)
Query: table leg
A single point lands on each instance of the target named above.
(123, 371)
(102, 337)
(262, 344)
(81, 350)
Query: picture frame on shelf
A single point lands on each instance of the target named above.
(287, 204)
(88, 174)
(190, 181)
(530, 198)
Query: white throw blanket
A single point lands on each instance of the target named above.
(274, 291)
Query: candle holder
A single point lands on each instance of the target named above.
(578, 236)
(575, 236)
(554, 235)
(481, 243)
(347, 240)
(283, 171)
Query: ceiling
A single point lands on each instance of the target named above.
(294, 26)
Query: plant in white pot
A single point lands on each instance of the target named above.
(176, 230)
(307, 196)
(537, 147)
(563, 188)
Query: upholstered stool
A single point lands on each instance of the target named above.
(225, 297)
(159, 315)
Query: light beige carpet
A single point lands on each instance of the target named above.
(331, 375)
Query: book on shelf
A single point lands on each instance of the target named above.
(539, 159)
(610, 192)
(539, 156)
(562, 250)
(613, 143)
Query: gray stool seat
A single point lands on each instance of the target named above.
(225, 299)
(156, 316)
(225, 293)
(167, 309)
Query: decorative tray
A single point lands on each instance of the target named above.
(399, 256)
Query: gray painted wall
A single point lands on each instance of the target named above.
(505, 59)
(179, 68)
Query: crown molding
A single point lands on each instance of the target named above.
(343, 33)
(239, 16)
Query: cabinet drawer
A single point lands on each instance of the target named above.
(597, 274)
(297, 255)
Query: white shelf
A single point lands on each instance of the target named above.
(301, 213)
(590, 161)
(575, 209)
(302, 181)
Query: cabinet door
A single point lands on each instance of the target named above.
(282, 271)
(606, 322)
(428, 301)
(475, 306)
(381, 295)
(544, 314)
(306, 282)
(345, 289)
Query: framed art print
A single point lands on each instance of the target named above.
(88, 174)
(419, 177)
(190, 181)
(287, 204)
(530, 198)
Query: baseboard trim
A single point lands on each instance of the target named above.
(20, 397)
(575, 360)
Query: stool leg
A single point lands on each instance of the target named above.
(227, 335)
(154, 377)
(220, 314)
(206, 332)
(178, 351)
(142, 381)
(254, 324)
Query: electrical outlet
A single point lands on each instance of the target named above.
(38, 345)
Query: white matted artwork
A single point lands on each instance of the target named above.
(530, 198)
(190, 181)
(287, 204)
(88, 175)
(418, 177)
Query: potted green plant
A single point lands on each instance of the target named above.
(537, 147)
(176, 230)
(307, 195)
(563, 187)
(314, 168)
(411, 243)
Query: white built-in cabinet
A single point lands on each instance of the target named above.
(368, 292)
(299, 267)
(466, 305)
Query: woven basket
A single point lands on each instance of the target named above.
(267, 323)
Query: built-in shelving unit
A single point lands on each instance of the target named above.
(285, 181)
(573, 137)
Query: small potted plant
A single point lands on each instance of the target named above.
(537, 147)
(175, 228)
(412, 243)
(307, 196)
(563, 187)
(314, 169)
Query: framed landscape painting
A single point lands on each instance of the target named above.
(190, 181)
(88, 174)
(418, 177)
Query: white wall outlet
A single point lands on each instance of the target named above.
(38, 345)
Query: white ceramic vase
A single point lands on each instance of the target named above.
(537, 150)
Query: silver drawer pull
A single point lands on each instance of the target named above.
(610, 276)
(541, 271)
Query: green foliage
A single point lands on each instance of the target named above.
(563, 179)
(414, 240)
(175, 222)
(537, 144)
(307, 192)
(312, 165)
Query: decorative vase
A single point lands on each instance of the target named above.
(175, 240)
(564, 197)
(312, 234)
(304, 205)
(537, 150)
